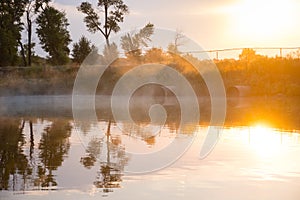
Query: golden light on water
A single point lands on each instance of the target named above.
(265, 141)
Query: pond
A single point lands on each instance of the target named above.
(46, 154)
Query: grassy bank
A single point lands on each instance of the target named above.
(38, 80)
(265, 76)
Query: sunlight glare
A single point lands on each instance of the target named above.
(265, 141)
(259, 20)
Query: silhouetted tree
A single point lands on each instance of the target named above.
(10, 30)
(81, 49)
(32, 8)
(113, 11)
(53, 34)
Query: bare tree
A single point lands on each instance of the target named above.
(178, 41)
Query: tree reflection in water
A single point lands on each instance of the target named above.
(53, 147)
(32, 150)
(20, 168)
(29, 158)
(111, 165)
(14, 166)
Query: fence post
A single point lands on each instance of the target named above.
(280, 52)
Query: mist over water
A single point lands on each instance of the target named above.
(278, 112)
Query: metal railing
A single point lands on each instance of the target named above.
(217, 51)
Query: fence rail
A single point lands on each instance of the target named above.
(280, 49)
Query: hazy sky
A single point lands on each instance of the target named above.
(214, 24)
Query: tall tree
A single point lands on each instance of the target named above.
(53, 34)
(81, 49)
(113, 11)
(32, 8)
(10, 28)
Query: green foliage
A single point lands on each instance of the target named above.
(92, 18)
(16, 16)
(53, 34)
(32, 8)
(10, 28)
(39, 5)
(81, 50)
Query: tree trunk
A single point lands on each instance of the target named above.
(29, 35)
(105, 25)
(107, 42)
(22, 53)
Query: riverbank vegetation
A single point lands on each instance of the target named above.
(22, 72)
(266, 76)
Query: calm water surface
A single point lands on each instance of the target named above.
(46, 155)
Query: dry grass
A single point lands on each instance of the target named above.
(37, 80)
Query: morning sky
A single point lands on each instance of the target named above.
(214, 24)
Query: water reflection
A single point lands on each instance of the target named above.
(52, 148)
(33, 150)
(45, 152)
(27, 164)
(112, 157)
(14, 168)
(275, 111)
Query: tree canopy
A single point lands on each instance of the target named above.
(10, 30)
(32, 8)
(54, 35)
(81, 50)
(113, 11)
